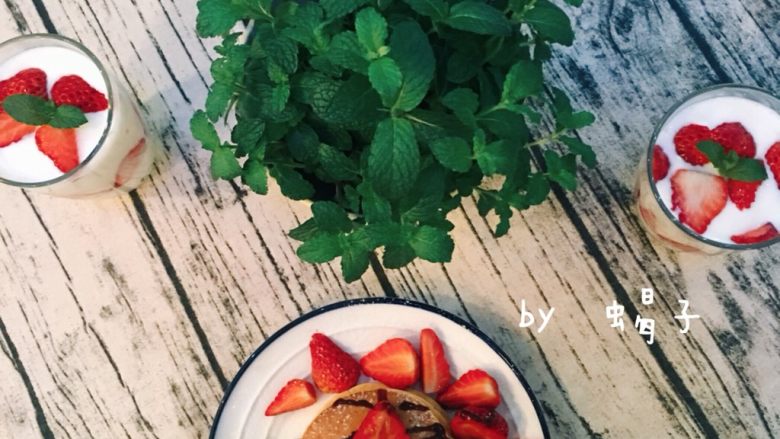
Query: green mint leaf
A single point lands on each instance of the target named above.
(494, 158)
(29, 109)
(354, 263)
(218, 100)
(411, 50)
(217, 17)
(524, 79)
(284, 52)
(714, 151)
(505, 215)
(464, 103)
(575, 121)
(435, 9)
(386, 78)
(339, 8)
(304, 144)
(224, 164)
(453, 153)
(529, 113)
(386, 233)
(507, 125)
(550, 22)
(346, 51)
(375, 208)
(306, 27)
(748, 170)
(394, 158)
(581, 149)
(331, 217)
(336, 165)
(731, 165)
(478, 17)
(558, 170)
(247, 135)
(432, 244)
(254, 175)
(354, 105)
(292, 184)
(320, 249)
(306, 231)
(461, 67)
(577, 3)
(274, 99)
(68, 116)
(398, 256)
(538, 189)
(371, 29)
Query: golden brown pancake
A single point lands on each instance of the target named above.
(422, 416)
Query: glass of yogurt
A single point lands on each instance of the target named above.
(710, 181)
(107, 154)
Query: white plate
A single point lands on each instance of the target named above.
(359, 326)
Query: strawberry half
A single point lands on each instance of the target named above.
(743, 193)
(332, 369)
(761, 234)
(660, 164)
(129, 164)
(479, 423)
(75, 91)
(29, 82)
(699, 196)
(685, 142)
(773, 160)
(394, 363)
(381, 423)
(12, 131)
(435, 369)
(733, 136)
(295, 395)
(59, 145)
(474, 388)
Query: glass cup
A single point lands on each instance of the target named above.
(122, 157)
(661, 223)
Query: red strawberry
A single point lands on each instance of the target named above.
(332, 369)
(435, 369)
(733, 136)
(479, 423)
(59, 145)
(699, 196)
(394, 363)
(773, 160)
(761, 234)
(743, 193)
(12, 131)
(685, 142)
(474, 388)
(381, 423)
(129, 164)
(660, 164)
(73, 90)
(30, 82)
(295, 395)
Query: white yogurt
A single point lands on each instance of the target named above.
(763, 123)
(22, 161)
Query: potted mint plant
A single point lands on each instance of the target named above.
(387, 113)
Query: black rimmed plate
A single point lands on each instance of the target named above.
(359, 326)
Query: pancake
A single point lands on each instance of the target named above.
(422, 416)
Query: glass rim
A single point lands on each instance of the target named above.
(649, 166)
(109, 88)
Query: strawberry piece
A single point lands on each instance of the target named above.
(29, 82)
(773, 160)
(479, 423)
(295, 395)
(685, 142)
(12, 131)
(332, 369)
(394, 363)
(660, 164)
(381, 423)
(59, 145)
(474, 388)
(733, 136)
(435, 369)
(699, 196)
(129, 164)
(73, 90)
(761, 234)
(743, 193)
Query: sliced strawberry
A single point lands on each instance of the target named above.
(761, 234)
(479, 423)
(660, 164)
(12, 131)
(295, 395)
(685, 142)
(29, 81)
(743, 193)
(332, 369)
(381, 423)
(59, 145)
(773, 160)
(700, 197)
(435, 369)
(129, 164)
(733, 136)
(75, 91)
(394, 363)
(474, 388)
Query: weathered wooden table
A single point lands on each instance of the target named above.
(127, 317)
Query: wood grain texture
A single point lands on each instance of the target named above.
(126, 317)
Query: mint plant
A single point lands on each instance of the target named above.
(387, 113)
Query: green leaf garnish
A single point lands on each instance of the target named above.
(37, 111)
(731, 165)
